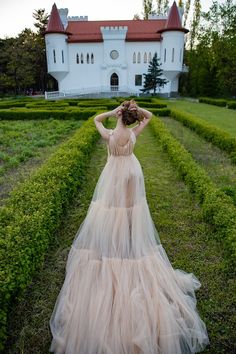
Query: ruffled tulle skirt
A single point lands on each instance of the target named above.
(121, 294)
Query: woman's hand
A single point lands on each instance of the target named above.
(117, 111)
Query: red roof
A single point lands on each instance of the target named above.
(138, 30)
(173, 22)
(54, 24)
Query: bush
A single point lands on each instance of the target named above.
(231, 104)
(217, 207)
(162, 112)
(33, 213)
(46, 104)
(211, 133)
(27, 113)
(214, 101)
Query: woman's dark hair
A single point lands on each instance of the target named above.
(130, 116)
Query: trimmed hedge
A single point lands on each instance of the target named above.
(211, 133)
(46, 104)
(27, 113)
(231, 104)
(214, 101)
(33, 213)
(162, 112)
(218, 208)
(218, 102)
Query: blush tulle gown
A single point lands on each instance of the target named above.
(121, 294)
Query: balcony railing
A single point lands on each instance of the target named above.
(115, 90)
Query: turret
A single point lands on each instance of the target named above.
(56, 46)
(172, 47)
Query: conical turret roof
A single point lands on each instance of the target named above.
(173, 22)
(54, 23)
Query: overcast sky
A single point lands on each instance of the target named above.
(15, 15)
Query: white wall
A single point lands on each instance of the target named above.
(72, 76)
(172, 40)
(57, 49)
(83, 75)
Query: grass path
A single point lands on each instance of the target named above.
(215, 161)
(184, 235)
(221, 117)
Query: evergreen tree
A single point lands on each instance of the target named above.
(153, 79)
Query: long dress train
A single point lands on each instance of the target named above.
(121, 294)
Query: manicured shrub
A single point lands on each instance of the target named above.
(162, 112)
(211, 133)
(47, 104)
(231, 104)
(67, 113)
(214, 101)
(217, 207)
(33, 213)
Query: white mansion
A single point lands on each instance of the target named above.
(108, 58)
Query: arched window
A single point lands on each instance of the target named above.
(145, 57)
(114, 81)
(139, 57)
(165, 55)
(180, 55)
(54, 56)
(92, 58)
(150, 57)
(62, 57)
(82, 58)
(134, 58)
(173, 55)
(77, 58)
(87, 58)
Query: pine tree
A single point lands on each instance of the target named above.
(153, 78)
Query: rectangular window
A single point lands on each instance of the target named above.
(62, 57)
(138, 80)
(164, 55)
(173, 54)
(54, 55)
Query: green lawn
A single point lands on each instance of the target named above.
(221, 117)
(185, 237)
(27, 144)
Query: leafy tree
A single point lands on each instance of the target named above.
(147, 8)
(153, 78)
(212, 57)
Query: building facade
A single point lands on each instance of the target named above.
(108, 58)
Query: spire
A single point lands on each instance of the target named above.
(54, 24)
(173, 22)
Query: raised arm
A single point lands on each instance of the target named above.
(147, 117)
(101, 117)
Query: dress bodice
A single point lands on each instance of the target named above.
(114, 148)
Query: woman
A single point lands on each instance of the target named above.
(121, 295)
